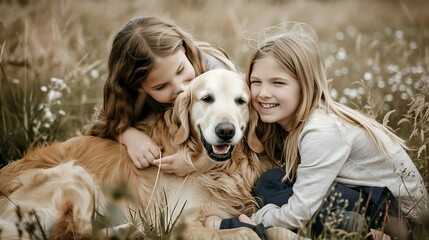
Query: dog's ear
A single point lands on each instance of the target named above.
(252, 140)
(181, 116)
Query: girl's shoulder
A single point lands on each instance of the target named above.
(322, 120)
(321, 116)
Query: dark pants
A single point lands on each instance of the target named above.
(366, 205)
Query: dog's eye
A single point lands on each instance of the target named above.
(240, 101)
(207, 99)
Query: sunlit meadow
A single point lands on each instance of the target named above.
(53, 58)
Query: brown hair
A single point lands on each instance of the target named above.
(131, 59)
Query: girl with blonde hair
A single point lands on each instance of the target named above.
(340, 168)
(150, 63)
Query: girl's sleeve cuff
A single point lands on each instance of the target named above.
(264, 215)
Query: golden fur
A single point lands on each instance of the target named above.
(222, 188)
(62, 197)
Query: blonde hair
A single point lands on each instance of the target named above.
(132, 57)
(297, 52)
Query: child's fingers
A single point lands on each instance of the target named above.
(137, 163)
(166, 168)
(143, 161)
(164, 160)
(155, 151)
(137, 159)
(246, 219)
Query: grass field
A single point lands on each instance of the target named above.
(54, 54)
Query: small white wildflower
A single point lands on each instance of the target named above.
(367, 76)
(404, 96)
(399, 34)
(388, 98)
(408, 81)
(392, 68)
(381, 84)
(337, 72)
(36, 126)
(418, 69)
(46, 125)
(351, 92)
(416, 85)
(329, 61)
(341, 54)
(54, 95)
(413, 45)
(344, 70)
(15, 81)
(354, 93)
(94, 73)
(58, 83)
(346, 91)
(43, 88)
(48, 114)
(333, 93)
(61, 112)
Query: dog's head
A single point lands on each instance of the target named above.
(216, 109)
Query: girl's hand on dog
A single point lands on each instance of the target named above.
(246, 219)
(141, 148)
(175, 163)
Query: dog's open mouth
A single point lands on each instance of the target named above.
(218, 153)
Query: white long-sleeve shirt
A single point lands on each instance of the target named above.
(332, 150)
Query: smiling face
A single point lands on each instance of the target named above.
(169, 77)
(219, 111)
(276, 95)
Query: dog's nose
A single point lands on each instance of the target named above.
(225, 131)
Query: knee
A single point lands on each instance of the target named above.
(268, 179)
(274, 175)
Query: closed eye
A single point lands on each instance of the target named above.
(279, 83)
(160, 87)
(255, 82)
(180, 69)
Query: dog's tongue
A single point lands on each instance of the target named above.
(221, 149)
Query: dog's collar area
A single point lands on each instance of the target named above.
(218, 153)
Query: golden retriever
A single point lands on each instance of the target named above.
(211, 122)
